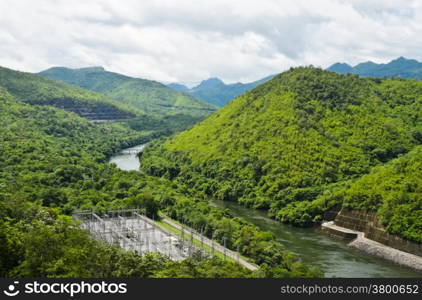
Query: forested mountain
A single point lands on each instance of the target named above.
(151, 97)
(394, 190)
(53, 162)
(400, 67)
(300, 144)
(34, 89)
(216, 92)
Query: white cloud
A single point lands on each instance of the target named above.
(188, 41)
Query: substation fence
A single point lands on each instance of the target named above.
(133, 231)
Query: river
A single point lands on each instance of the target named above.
(127, 159)
(331, 255)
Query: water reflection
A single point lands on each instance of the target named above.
(127, 159)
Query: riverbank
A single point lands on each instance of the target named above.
(127, 159)
(360, 242)
(332, 255)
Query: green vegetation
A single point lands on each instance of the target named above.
(47, 154)
(53, 162)
(150, 97)
(299, 145)
(395, 191)
(195, 242)
(237, 234)
(216, 92)
(34, 89)
(162, 126)
(39, 242)
(37, 90)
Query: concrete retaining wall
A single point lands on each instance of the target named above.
(341, 233)
(379, 250)
(358, 240)
(369, 223)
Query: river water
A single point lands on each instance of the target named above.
(331, 255)
(127, 159)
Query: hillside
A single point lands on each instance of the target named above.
(216, 92)
(178, 87)
(400, 67)
(34, 89)
(291, 143)
(394, 190)
(53, 162)
(151, 97)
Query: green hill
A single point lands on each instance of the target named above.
(151, 97)
(216, 92)
(400, 67)
(291, 143)
(53, 162)
(35, 89)
(394, 190)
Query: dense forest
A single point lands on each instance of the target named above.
(42, 91)
(150, 97)
(53, 162)
(304, 142)
(91, 105)
(157, 107)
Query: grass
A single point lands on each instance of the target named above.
(195, 241)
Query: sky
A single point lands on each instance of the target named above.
(188, 41)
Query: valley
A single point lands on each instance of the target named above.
(308, 143)
(147, 96)
(334, 257)
(303, 144)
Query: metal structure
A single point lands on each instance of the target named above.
(130, 151)
(131, 230)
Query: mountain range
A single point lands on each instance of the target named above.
(216, 92)
(34, 89)
(400, 67)
(150, 97)
(307, 141)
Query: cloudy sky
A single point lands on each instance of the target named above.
(187, 41)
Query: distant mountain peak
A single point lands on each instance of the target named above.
(214, 91)
(92, 69)
(399, 67)
(147, 96)
(366, 63)
(403, 61)
(340, 68)
(210, 82)
(84, 69)
(178, 87)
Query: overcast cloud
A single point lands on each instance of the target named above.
(187, 41)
